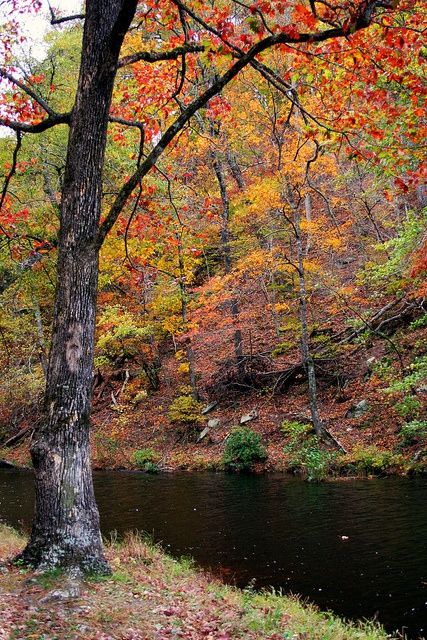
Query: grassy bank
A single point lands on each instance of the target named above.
(151, 596)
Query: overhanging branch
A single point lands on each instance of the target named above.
(39, 127)
(360, 21)
(158, 56)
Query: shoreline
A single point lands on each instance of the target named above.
(152, 596)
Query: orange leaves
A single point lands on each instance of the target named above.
(303, 16)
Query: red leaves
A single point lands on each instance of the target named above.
(304, 16)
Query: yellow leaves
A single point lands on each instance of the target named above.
(312, 266)
(259, 198)
(333, 241)
(310, 226)
(282, 307)
(254, 263)
(184, 368)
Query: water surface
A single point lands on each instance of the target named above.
(356, 547)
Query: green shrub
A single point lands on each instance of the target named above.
(409, 407)
(310, 459)
(305, 452)
(186, 410)
(372, 460)
(413, 432)
(242, 449)
(418, 376)
(296, 431)
(419, 323)
(151, 467)
(281, 348)
(146, 460)
(120, 335)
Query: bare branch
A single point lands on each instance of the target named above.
(39, 127)
(126, 123)
(78, 16)
(158, 56)
(55, 20)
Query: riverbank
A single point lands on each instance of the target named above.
(306, 460)
(151, 596)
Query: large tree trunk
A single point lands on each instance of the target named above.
(66, 524)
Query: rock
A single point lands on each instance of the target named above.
(7, 465)
(248, 417)
(344, 261)
(418, 455)
(209, 408)
(70, 592)
(213, 423)
(370, 363)
(357, 410)
(203, 434)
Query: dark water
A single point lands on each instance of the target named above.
(277, 531)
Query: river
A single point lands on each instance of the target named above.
(357, 547)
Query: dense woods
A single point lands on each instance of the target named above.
(249, 179)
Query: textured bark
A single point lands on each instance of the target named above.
(66, 524)
(306, 356)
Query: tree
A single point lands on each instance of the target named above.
(66, 524)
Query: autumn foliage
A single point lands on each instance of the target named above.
(199, 297)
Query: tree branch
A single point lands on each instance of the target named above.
(44, 125)
(359, 22)
(28, 90)
(55, 20)
(158, 56)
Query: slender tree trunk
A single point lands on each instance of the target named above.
(40, 334)
(66, 524)
(184, 315)
(306, 356)
(225, 243)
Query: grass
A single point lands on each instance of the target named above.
(151, 596)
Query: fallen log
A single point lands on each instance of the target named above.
(18, 437)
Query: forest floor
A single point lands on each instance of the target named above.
(151, 596)
(355, 404)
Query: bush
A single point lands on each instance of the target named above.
(146, 460)
(296, 431)
(409, 407)
(419, 323)
(413, 432)
(417, 376)
(242, 449)
(314, 461)
(186, 410)
(281, 349)
(372, 460)
(305, 452)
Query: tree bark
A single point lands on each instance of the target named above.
(66, 524)
(306, 356)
